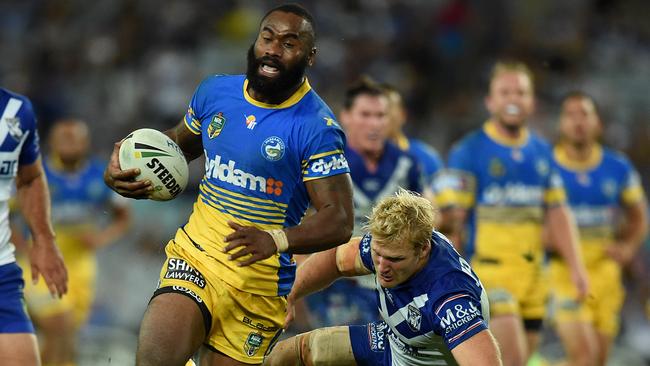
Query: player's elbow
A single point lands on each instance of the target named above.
(343, 227)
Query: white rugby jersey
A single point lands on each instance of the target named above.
(18, 146)
(437, 309)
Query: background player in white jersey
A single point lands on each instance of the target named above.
(433, 306)
(272, 147)
(505, 187)
(20, 161)
(86, 216)
(607, 199)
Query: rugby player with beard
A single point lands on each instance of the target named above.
(272, 148)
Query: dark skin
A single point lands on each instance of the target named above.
(288, 39)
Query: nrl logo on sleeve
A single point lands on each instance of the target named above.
(253, 343)
(216, 125)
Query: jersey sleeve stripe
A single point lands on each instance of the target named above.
(554, 196)
(632, 195)
(448, 300)
(190, 126)
(327, 153)
(307, 179)
(454, 338)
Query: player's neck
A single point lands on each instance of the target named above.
(69, 166)
(509, 131)
(579, 152)
(276, 98)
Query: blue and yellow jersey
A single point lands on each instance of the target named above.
(258, 157)
(506, 185)
(79, 200)
(597, 189)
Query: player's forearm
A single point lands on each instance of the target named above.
(34, 200)
(327, 228)
(315, 273)
(563, 231)
(117, 228)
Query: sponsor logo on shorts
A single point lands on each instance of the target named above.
(179, 269)
(377, 336)
(257, 325)
(186, 290)
(253, 343)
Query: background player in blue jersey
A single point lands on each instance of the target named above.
(433, 306)
(86, 216)
(272, 147)
(505, 186)
(426, 155)
(607, 199)
(378, 169)
(20, 161)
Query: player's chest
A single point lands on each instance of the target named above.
(500, 164)
(406, 316)
(594, 187)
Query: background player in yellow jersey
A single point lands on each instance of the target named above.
(272, 147)
(606, 197)
(80, 201)
(504, 184)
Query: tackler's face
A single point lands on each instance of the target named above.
(395, 263)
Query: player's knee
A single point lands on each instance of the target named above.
(316, 348)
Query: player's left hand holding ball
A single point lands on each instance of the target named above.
(123, 181)
(258, 243)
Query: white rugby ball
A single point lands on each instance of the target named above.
(159, 159)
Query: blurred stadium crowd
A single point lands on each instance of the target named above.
(122, 65)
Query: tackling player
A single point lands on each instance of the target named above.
(272, 147)
(433, 306)
(604, 190)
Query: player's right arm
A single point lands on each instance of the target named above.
(479, 350)
(321, 269)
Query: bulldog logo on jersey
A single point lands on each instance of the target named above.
(216, 125)
(253, 343)
(273, 148)
(414, 318)
(13, 125)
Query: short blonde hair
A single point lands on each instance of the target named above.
(512, 66)
(404, 217)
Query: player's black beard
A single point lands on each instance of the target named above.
(274, 88)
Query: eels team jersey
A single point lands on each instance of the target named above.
(78, 201)
(18, 146)
(437, 309)
(257, 159)
(427, 156)
(396, 169)
(507, 184)
(597, 190)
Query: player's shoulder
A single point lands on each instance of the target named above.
(26, 103)
(421, 146)
(469, 141)
(615, 158)
(539, 142)
(217, 83)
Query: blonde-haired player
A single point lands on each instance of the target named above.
(433, 307)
